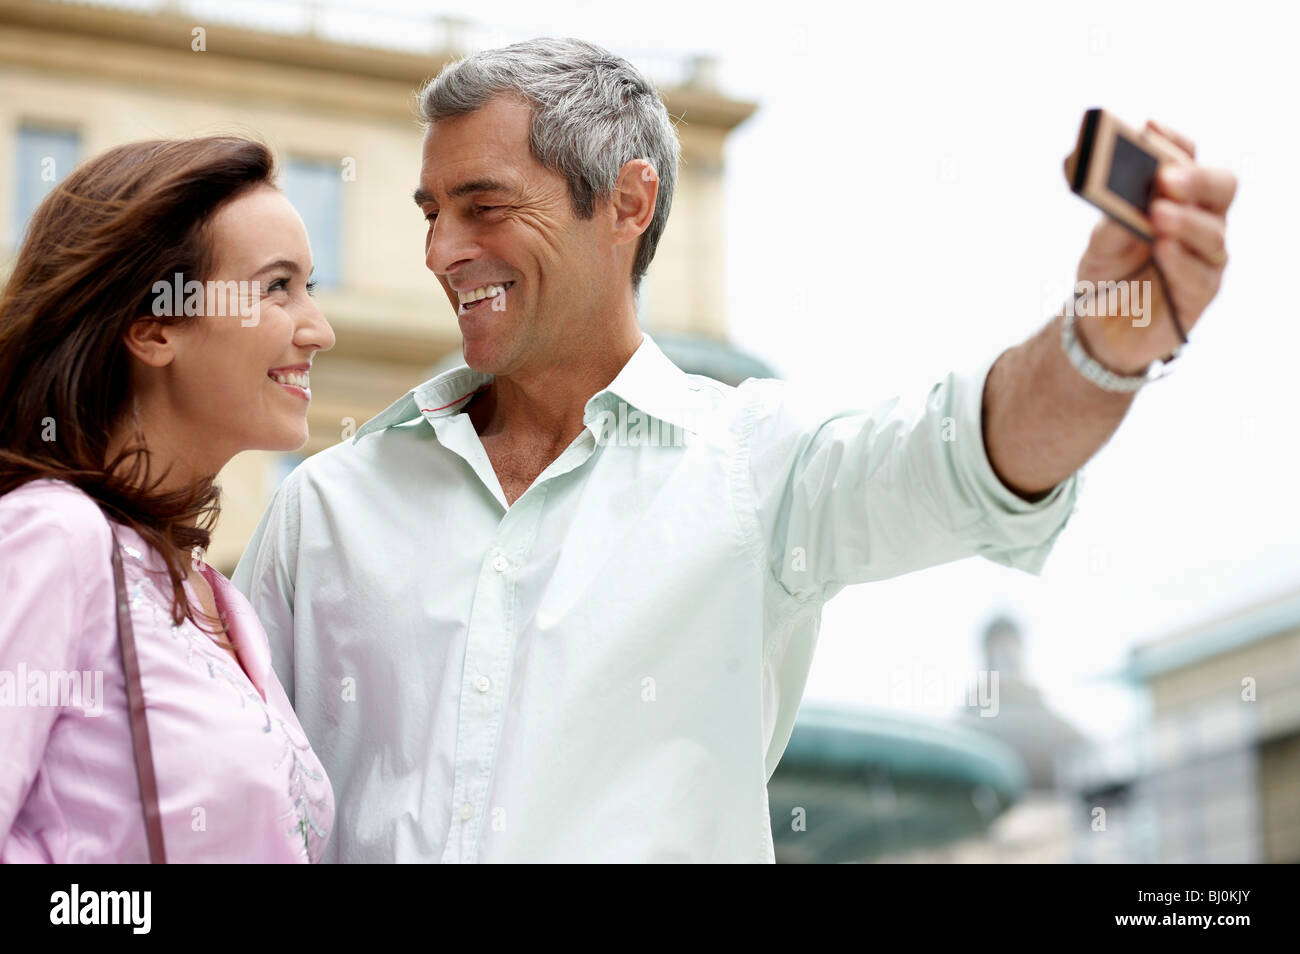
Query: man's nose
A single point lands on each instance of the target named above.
(449, 242)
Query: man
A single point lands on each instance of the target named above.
(560, 603)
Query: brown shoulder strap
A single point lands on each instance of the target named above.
(135, 709)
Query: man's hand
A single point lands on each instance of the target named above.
(1042, 419)
(1188, 215)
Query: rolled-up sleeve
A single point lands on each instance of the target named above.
(851, 496)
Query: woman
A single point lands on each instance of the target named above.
(158, 321)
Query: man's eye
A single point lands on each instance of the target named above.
(430, 216)
(485, 208)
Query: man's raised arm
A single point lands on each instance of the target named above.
(1042, 418)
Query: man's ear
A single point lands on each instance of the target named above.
(633, 200)
(150, 340)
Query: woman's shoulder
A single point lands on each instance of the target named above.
(50, 513)
(52, 502)
(54, 549)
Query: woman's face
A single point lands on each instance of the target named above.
(239, 376)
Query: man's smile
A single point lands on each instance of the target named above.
(469, 300)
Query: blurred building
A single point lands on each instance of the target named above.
(1022, 719)
(1214, 773)
(1036, 823)
(331, 90)
(859, 785)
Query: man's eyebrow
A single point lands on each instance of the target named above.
(422, 195)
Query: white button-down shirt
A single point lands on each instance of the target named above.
(608, 669)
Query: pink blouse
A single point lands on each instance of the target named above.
(237, 778)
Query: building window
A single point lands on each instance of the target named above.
(45, 156)
(315, 188)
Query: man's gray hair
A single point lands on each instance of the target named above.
(592, 112)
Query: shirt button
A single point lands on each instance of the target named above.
(467, 811)
(482, 683)
(500, 563)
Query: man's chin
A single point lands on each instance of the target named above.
(481, 356)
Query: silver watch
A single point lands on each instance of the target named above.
(1102, 376)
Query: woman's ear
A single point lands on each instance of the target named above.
(150, 340)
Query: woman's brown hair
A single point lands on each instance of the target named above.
(133, 216)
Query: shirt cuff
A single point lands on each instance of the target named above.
(1018, 533)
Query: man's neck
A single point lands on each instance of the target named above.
(546, 405)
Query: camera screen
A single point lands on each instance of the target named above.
(1132, 173)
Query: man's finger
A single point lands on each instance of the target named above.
(1174, 136)
(1211, 189)
(1193, 282)
(1200, 230)
(1109, 239)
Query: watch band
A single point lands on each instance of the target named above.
(1098, 373)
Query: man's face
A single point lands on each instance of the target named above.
(497, 217)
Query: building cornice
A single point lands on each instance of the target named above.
(295, 67)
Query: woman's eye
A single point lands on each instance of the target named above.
(282, 284)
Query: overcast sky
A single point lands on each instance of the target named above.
(915, 150)
(907, 157)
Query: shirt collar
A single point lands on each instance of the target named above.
(652, 384)
(649, 381)
(438, 397)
